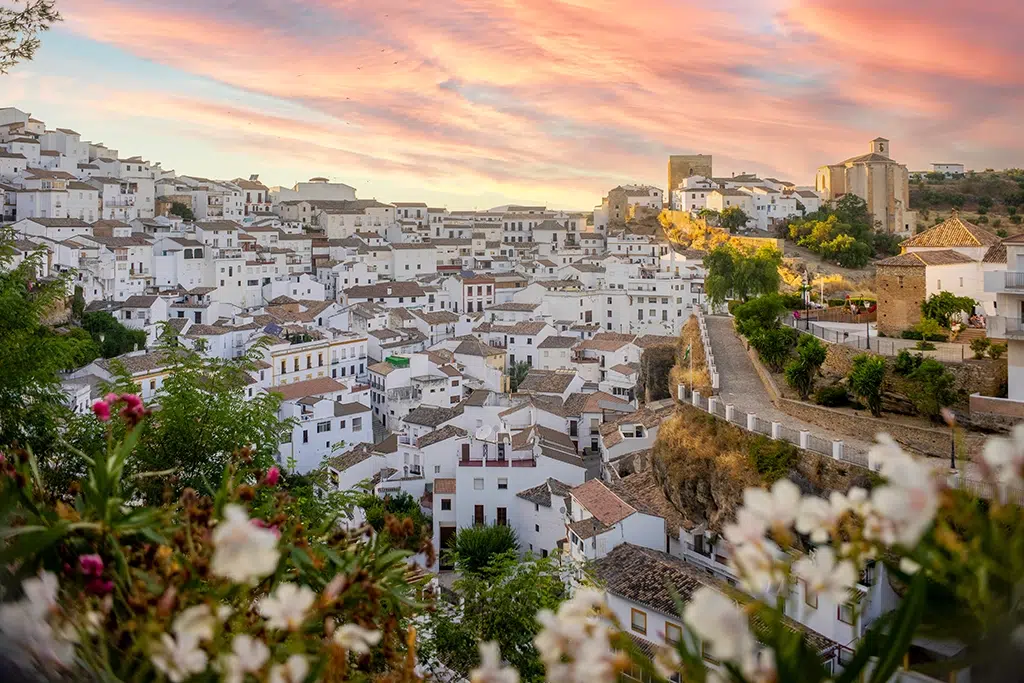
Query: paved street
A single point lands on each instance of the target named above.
(742, 387)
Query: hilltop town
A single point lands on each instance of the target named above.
(592, 379)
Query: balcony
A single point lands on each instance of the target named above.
(1011, 281)
(1003, 327)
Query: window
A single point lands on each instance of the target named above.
(305, 436)
(446, 503)
(810, 598)
(502, 517)
(536, 527)
(706, 654)
(437, 469)
(638, 621)
(478, 484)
(502, 484)
(357, 423)
(845, 613)
(673, 632)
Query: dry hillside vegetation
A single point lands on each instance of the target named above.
(700, 380)
(704, 463)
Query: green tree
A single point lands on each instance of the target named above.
(943, 306)
(733, 218)
(31, 354)
(761, 313)
(866, 378)
(401, 507)
(500, 604)
(774, 346)
(474, 547)
(517, 374)
(740, 274)
(979, 346)
(204, 416)
(113, 338)
(934, 388)
(20, 26)
(182, 211)
(802, 370)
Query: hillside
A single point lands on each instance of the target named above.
(993, 198)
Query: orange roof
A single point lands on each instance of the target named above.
(309, 387)
(602, 502)
(953, 232)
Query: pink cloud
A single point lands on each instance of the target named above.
(545, 97)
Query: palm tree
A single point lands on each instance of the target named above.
(516, 374)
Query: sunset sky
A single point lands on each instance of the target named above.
(476, 103)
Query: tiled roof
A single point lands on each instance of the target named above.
(439, 435)
(429, 416)
(940, 257)
(139, 364)
(642, 491)
(578, 403)
(381, 289)
(602, 502)
(475, 347)
(547, 381)
(444, 485)
(953, 232)
(309, 387)
(624, 369)
(556, 342)
(382, 368)
(541, 494)
(345, 409)
(351, 457)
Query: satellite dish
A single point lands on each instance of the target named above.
(484, 433)
(561, 510)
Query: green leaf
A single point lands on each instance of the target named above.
(33, 543)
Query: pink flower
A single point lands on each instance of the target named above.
(263, 525)
(273, 476)
(132, 401)
(98, 586)
(111, 398)
(101, 409)
(91, 565)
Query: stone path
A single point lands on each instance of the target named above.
(742, 387)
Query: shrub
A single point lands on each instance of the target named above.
(866, 379)
(934, 388)
(758, 314)
(980, 346)
(832, 396)
(910, 334)
(792, 301)
(774, 346)
(475, 547)
(942, 308)
(800, 372)
(772, 459)
(996, 351)
(906, 362)
(924, 346)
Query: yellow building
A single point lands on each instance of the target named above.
(878, 180)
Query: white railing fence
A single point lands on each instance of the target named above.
(709, 355)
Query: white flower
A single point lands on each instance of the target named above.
(908, 566)
(491, 669)
(248, 655)
(198, 621)
(748, 528)
(357, 639)
(178, 658)
(719, 623)
(1005, 456)
(292, 671)
(580, 635)
(904, 508)
(584, 603)
(594, 659)
(757, 567)
(242, 551)
(759, 667)
(777, 507)
(825, 576)
(667, 661)
(30, 638)
(557, 635)
(816, 518)
(286, 608)
(41, 593)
